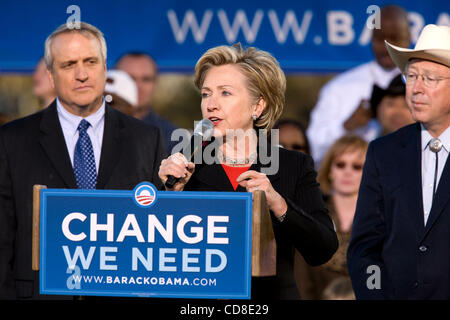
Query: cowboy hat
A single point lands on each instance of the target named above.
(433, 44)
(395, 88)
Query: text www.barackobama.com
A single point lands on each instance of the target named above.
(149, 281)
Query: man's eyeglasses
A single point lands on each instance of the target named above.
(429, 81)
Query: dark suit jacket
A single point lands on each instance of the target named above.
(33, 151)
(165, 127)
(307, 226)
(388, 229)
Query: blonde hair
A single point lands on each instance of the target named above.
(349, 143)
(265, 78)
(85, 29)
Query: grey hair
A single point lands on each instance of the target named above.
(85, 29)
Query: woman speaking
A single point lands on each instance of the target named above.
(243, 93)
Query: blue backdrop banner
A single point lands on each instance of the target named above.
(324, 35)
(144, 243)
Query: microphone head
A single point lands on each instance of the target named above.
(204, 129)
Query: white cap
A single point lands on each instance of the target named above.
(121, 84)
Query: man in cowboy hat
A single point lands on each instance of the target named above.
(400, 238)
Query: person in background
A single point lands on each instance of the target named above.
(343, 105)
(292, 135)
(399, 248)
(144, 71)
(244, 91)
(339, 177)
(389, 106)
(42, 86)
(121, 91)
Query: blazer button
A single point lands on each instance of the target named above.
(423, 248)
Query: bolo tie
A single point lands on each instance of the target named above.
(435, 146)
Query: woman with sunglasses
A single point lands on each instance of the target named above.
(339, 176)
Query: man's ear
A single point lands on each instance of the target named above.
(50, 75)
(106, 71)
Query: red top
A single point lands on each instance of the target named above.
(233, 173)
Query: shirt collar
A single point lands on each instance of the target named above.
(444, 137)
(69, 122)
(381, 73)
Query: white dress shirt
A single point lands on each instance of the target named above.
(338, 99)
(69, 124)
(428, 167)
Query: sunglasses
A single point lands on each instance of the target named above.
(296, 147)
(343, 165)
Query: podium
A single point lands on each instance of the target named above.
(221, 223)
(263, 239)
(36, 226)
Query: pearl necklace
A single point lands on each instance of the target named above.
(223, 159)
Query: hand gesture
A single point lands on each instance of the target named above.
(177, 166)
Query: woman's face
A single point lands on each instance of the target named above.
(226, 100)
(346, 172)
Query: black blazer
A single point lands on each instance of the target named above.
(388, 229)
(307, 226)
(33, 151)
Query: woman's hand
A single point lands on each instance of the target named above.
(177, 166)
(252, 180)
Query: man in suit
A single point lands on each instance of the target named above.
(52, 147)
(399, 247)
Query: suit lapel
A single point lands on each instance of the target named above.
(273, 161)
(256, 166)
(54, 145)
(441, 198)
(410, 159)
(112, 145)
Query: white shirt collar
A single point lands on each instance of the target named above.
(69, 122)
(380, 73)
(444, 137)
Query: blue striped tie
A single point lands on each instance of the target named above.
(84, 161)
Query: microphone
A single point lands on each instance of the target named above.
(203, 131)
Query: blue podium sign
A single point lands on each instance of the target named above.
(145, 243)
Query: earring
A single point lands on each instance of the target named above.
(254, 117)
